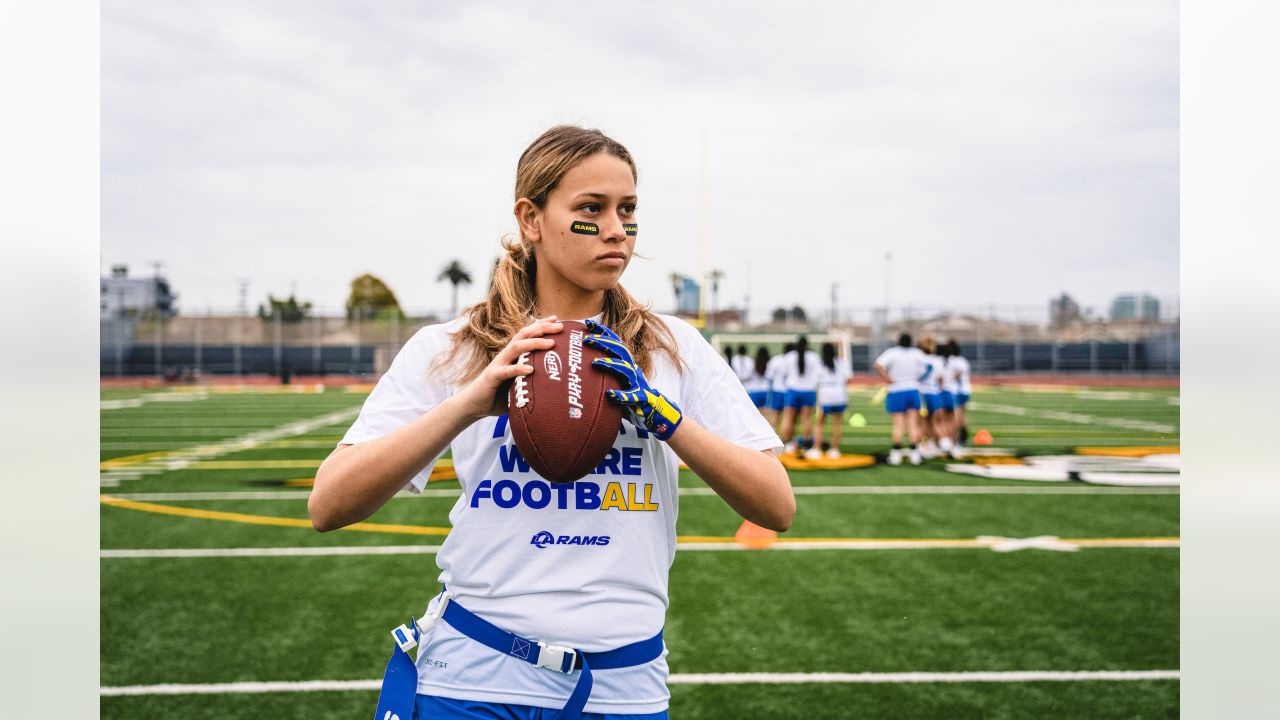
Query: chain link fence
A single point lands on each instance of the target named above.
(996, 339)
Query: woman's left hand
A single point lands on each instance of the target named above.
(645, 406)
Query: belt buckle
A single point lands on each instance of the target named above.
(555, 657)
(429, 620)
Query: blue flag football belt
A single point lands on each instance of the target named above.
(400, 682)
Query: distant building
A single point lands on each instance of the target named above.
(123, 296)
(690, 297)
(1063, 311)
(1134, 306)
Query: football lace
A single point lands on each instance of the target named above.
(522, 389)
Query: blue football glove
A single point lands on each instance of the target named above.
(644, 406)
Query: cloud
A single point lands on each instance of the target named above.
(1002, 150)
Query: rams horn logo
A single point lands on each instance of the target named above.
(542, 539)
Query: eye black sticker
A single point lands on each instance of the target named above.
(631, 229)
(585, 228)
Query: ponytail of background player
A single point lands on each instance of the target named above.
(801, 381)
(520, 623)
(901, 368)
(833, 398)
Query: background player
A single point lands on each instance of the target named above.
(833, 399)
(800, 378)
(776, 375)
(902, 367)
(964, 389)
(757, 383)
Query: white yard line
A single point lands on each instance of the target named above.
(1071, 417)
(177, 459)
(1007, 676)
(702, 492)
(996, 543)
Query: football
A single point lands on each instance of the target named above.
(561, 420)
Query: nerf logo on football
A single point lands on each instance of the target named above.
(542, 539)
(551, 363)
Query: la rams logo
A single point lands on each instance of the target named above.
(542, 539)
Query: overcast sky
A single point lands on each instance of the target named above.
(1002, 151)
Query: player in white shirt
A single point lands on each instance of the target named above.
(775, 373)
(902, 368)
(757, 382)
(800, 377)
(935, 424)
(544, 582)
(833, 398)
(960, 369)
(742, 364)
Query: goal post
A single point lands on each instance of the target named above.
(775, 341)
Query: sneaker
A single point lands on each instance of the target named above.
(915, 457)
(812, 454)
(833, 454)
(957, 452)
(789, 447)
(895, 457)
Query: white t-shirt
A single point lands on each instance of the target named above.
(775, 373)
(832, 384)
(602, 583)
(931, 381)
(743, 367)
(905, 366)
(755, 382)
(949, 382)
(793, 379)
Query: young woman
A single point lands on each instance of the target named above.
(742, 364)
(950, 388)
(775, 373)
(800, 378)
(757, 383)
(902, 367)
(960, 368)
(527, 622)
(833, 398)
(931, 392)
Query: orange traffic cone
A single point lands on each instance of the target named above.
(982, 437)
(755, 537)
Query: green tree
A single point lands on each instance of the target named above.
(370, 297)
(457, 275)
(291, 311)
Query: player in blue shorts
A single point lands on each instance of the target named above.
(757, 383)
(800, 377)
(775, 373)
(959, 365)
(901, 368)
(833, 398)
(550, 607)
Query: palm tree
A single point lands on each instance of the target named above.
(715, 276)
(455, 273)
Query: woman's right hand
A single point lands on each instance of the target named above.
(486, 395)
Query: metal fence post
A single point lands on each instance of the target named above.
(316, 366)
(236, 360)
(276, 341)
(159, 344)
(119, 323)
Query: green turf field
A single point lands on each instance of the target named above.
(179, 477)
